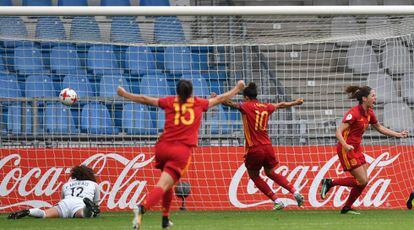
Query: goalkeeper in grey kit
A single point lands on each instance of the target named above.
(80, 198)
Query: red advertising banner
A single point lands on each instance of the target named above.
(217, 176)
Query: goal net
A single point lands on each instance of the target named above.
(312, 57)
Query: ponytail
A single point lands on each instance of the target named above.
(184, 90)
(356, 92)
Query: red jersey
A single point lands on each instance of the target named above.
(255, 116)
(182, 121)
(359, 119)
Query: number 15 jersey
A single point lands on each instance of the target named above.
(255, 116)
(182, 121)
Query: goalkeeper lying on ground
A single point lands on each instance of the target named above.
(80, 197)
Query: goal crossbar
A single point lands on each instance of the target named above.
(204, 10)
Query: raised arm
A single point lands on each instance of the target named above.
(282, 105)
(386, 131)
(226, 96)
(142, 99)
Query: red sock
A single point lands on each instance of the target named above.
(347, 181)
(153, 197)
(282, 181)
(264, 188)
(355, 193)
(166, 202)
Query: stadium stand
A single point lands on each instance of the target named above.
(59, 119)
(64, 60)
(80, 84)
(37, 3)
(361, 58)
(140, 60)
(85, 28)
(12, 30)
(395, 58)
(168, 29)
(115, 3)
(95, 119)
(50, 28)
(28, 60)
(384, 87)
(72, 2)
(398, 116)
(6, 3)
(20, 119)
(154, 3)
(136, 119)
(102, 60)
(125, 30)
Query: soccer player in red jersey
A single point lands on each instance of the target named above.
(349, 150)
(183, 115)
(260, 153)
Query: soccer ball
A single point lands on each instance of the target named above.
(68, 96)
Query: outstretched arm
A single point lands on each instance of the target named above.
(231, 104)
(282, 105)
(386, 131)
(142, 99)
(226, 96)
(228, 103)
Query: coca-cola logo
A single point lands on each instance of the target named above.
(123, 181)
(47, 182)
(376, 194)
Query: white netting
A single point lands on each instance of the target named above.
(288, 57)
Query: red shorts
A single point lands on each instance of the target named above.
(352, 159)
(260, 156)
(173, 158)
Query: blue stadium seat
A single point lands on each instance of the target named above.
(37, 3)
(102, 60)
(115, 3)
(159, 117)
(39, 86)
(140, 60)
(396, 58)
(168, 29)
(16, 119)
(177, 60)
(95, 119)
(3, 67)
(217, 121)
(80, 84)
(362, 2)
(14, 30)
(28, 60)
(73, 3)
(50, 28)
(6, 3)
(136, 120)
(125, 30)
(85, 28)
(59, 119)
(200, 86)
(154, 85)
(64, 60)
(9, 86)
(154, 3)
(109, 84)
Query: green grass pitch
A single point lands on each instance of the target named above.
(286, 219)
